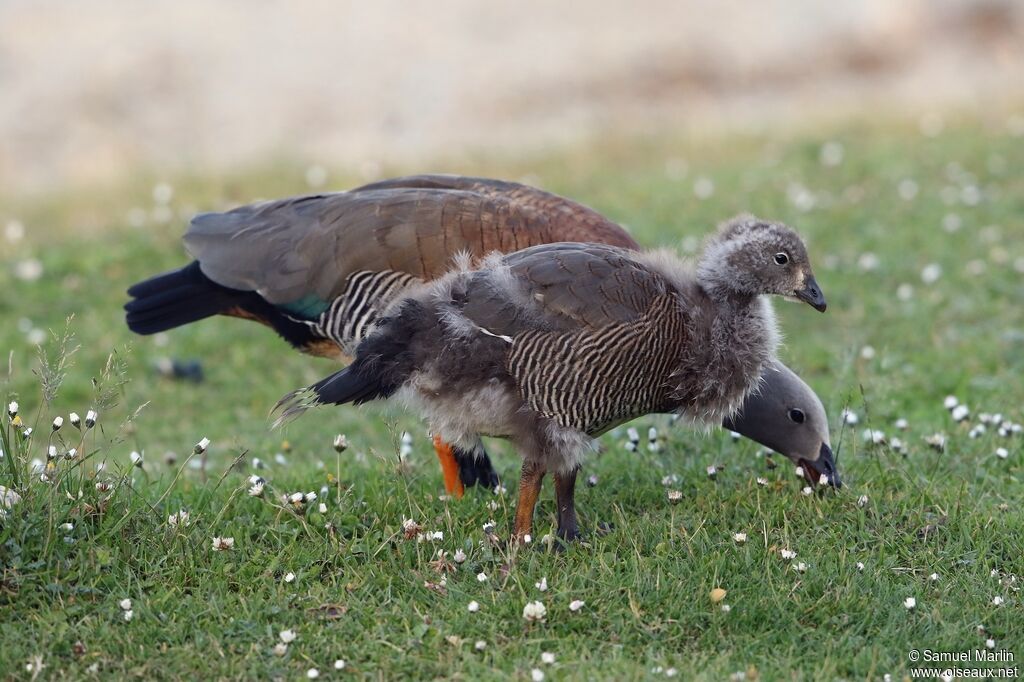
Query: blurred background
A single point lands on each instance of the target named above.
(92, 91)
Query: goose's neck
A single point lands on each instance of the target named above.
(726, 296)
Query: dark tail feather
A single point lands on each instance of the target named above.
(175, 299)
(351, 385)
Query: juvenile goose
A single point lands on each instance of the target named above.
(557, 343)
(320, 269)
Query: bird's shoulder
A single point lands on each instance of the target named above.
(565, 287)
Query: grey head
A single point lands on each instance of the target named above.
(749, 256)
(786, 415)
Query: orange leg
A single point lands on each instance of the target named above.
(450, 468)
(529, 491)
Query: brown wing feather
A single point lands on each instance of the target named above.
(291, 248)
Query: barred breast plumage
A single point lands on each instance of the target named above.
(594, 379)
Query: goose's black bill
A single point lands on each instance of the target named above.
(825, 465)
(811, 295)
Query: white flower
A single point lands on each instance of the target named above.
(787, 554)
(128, 615)
(850, 417)
(547, 657)
(862, 501)
(860, 565)
(998, 601)
(537, 675)
(1002, 453)
(931, 273)
(125, 604)
(71, 454)
(800, 567)
(867, 352)
(90, 419)
(652, 440)
(256, 485)
(726, 608)
(296, 498)
(201, 446)
(671, 479)
(339, 664)
(480, 645)
(58, 422)
(221, 544)
(875, 436)
(740, 538)
(960, 413)
(990, 643)
(12, 409)
(322, 508)
(489, 527)
(312, 673)
(473, 606)
(288, 636)
(576, 604)
(762, 481)
(933, 577)
(459, 556)
(8, 498)
(674, 495)
(534, 611)
(807, 490)
(481, 577)
(179, 518)
(340, 442)
(67, 527)
(823, 479)
(703, 188)
(75, 420)
(909, 603)
(310, 497)
(901, 424)
(136, 458)
(950, 402)
(289, 577)
(712, 471)
(280, 649)
(671, 672)
(799, 471)
(542, 585)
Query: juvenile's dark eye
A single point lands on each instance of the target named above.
(796, 415)
(781, 258)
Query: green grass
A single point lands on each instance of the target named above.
(360, 591)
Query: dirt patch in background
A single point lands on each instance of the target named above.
(94, 89)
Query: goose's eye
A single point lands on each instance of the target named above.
(796, 415)
(781, 258)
